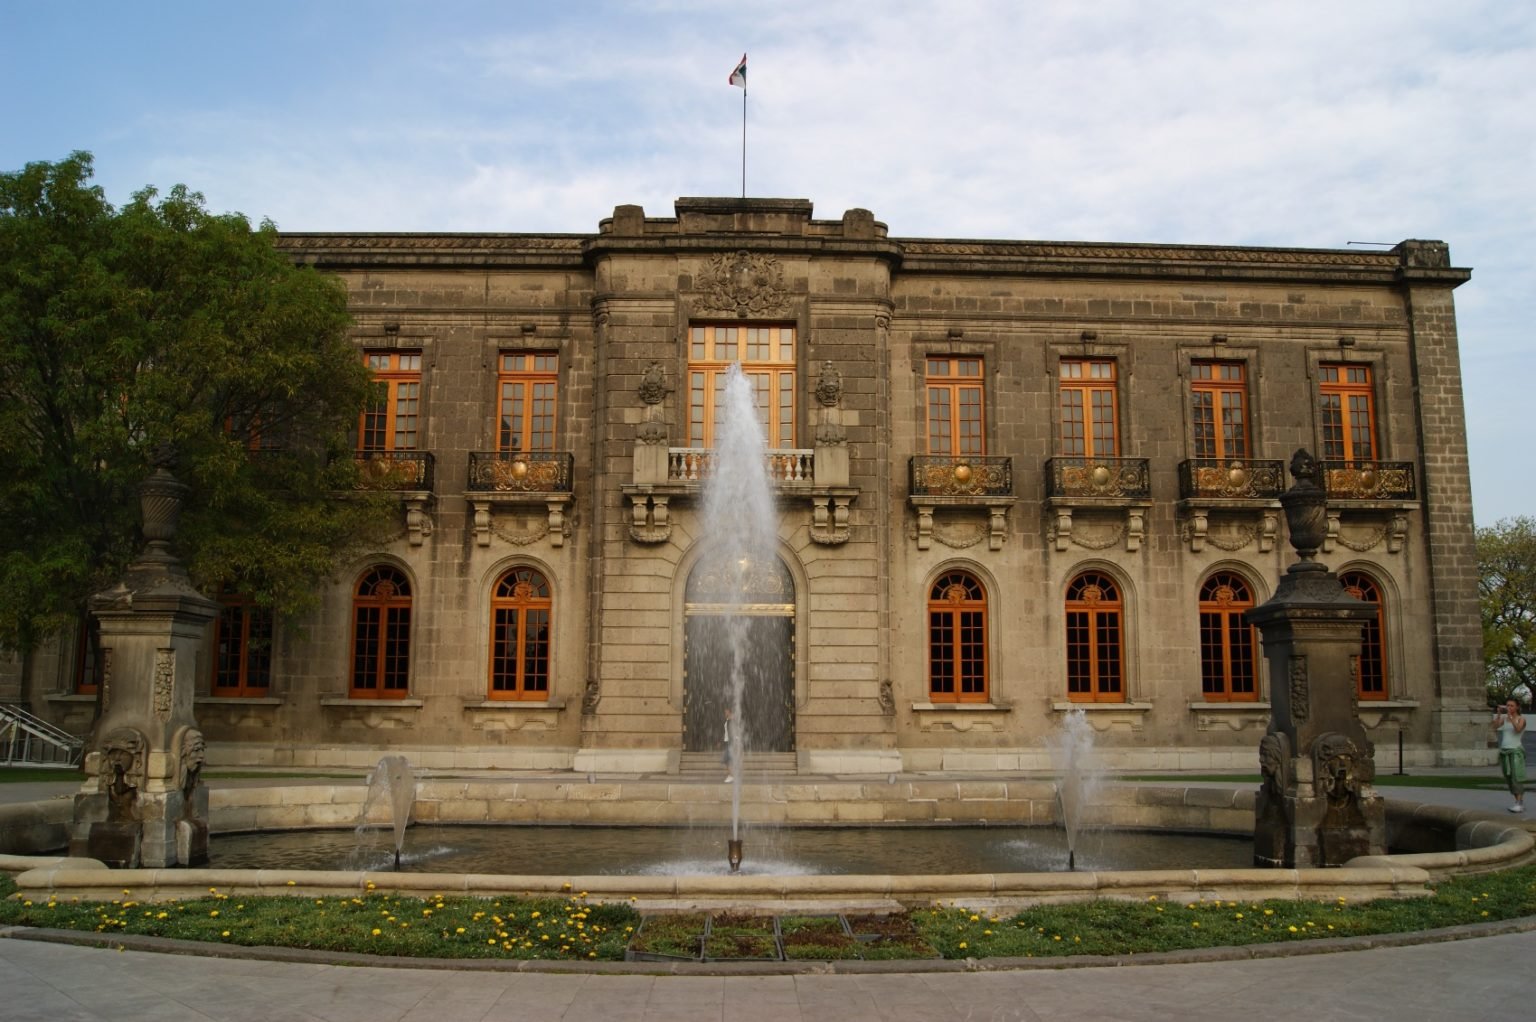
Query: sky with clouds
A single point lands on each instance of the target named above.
(1301, 123)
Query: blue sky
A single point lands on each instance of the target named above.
(1299, 123)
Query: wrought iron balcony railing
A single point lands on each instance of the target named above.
(1098, 477)
(520, 471)
(1369, 480)
(394, 470)
(936, 475)
(785, 465)
(1230, 479)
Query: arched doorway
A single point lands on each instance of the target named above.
(750, 607)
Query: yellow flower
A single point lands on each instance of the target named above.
(214, 914)
(1238, 916)
(1195, 924)
(1293, 929)
(290, 883)
(963, 945)
(377, 931)
(224, 934)
(459, 930)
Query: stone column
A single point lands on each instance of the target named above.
(1317, 806)
(143, 802)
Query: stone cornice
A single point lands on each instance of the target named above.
(1411, 263)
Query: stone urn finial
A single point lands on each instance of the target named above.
(160, 498)
(1306, 507)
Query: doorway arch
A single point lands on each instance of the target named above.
(750, 607)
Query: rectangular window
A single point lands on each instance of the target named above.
(955, 411)
(390, 421)
(1219, 392)
(1347, 411)
(766, 355)
(526, 402)
(1088, 420)
(242, 660)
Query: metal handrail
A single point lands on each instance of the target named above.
(1230, 479)
(521, 471)
(946, 475)
(25, 738)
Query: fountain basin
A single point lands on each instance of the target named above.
(1436, 841)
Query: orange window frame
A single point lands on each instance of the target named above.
(1095, 640)
(526, 388)
(1228, 643)
(1347, 408)
(956, 406)
(1371, 675)
(242, 648)
(1219, 409)
(381, 635)
(522, 638)
(1089, 403)
(87, 669)
(766, 353)
(957, 640)
(392, 420)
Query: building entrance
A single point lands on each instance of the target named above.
(739, 620)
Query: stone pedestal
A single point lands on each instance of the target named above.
(1317, 806)
(143, 802)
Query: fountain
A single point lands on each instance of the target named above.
(741, 522)
(391, 783)
(1077, 776)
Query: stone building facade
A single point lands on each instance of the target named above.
(1014, 479)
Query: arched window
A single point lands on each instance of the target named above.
(520, 611)
(381, 634)
(957, 639)
(1227, 667)
(1094, 640)
(1371, 674)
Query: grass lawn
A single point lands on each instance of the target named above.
(570, 928)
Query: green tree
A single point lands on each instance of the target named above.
(158, 326)
(1506, 584)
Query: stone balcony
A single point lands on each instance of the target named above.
(1110, 496)
(960, 486)
(1230, 503)
(1368, 503)
(519, 482)
(406, 473)
(667, 475)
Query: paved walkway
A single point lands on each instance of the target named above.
(1468, 979)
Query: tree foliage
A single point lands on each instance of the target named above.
(159, 325)
(1506, 570)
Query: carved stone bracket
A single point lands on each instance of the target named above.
(1362, 536)
(556, 524)
(650, 520)
(1064, 531)
(1236, 528)
(829, 517)
(956, 535)
(418, 521)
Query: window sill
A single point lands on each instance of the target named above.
(72, 697)
(962, 708)
(1229, 705)
(514, 704)
(211, 700)
(365, 704)
(1127, 707)
(1104, 717)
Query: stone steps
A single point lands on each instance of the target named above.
(755, 764)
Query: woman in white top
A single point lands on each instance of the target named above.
(1510, 726)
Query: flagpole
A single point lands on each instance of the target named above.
(743, 141)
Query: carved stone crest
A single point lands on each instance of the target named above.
(1339, 770)
(746, 284)
(829, 386)
(591, 696)
(653, 384)
(124, 771)
(192, 753)
(1275, 763)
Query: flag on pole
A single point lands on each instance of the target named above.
(739, 76)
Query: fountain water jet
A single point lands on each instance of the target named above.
(1077, 776)
(392, 783)
(740, 523)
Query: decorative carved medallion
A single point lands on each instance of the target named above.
(746, 284)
